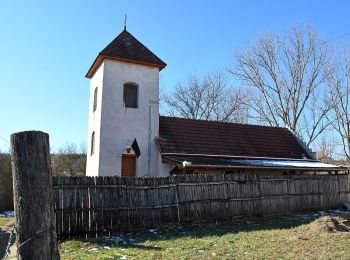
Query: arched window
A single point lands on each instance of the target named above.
(130, 95)
(93, 143)
(95, 100)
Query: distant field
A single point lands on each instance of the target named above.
(314, 235)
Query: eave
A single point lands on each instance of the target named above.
(100, 59)
(215, 162)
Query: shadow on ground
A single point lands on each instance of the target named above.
(329, 220)
(5, 233)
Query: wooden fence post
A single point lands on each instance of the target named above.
(32, 184)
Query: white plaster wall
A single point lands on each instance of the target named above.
(164, 168)
(120, 125)
(92, 163)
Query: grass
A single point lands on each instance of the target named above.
(4, 224)
(288, 237)
(297, 236)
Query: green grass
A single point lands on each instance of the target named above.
(292, 237)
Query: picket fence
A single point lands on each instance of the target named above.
(95, 206)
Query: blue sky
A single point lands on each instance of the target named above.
(48, 46)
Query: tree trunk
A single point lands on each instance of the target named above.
(32, 183)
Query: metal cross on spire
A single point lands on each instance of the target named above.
(125, 21)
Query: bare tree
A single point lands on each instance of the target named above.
(69, 161)
(288, 74)
(339, 83)
(326, 151)
(208, 98)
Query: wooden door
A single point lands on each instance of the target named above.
(128, 165)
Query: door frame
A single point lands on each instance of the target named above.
(135, 164)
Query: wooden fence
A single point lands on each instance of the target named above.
(94, 206)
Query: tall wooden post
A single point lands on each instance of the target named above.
(32, 184)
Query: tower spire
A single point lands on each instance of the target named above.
(125, 22)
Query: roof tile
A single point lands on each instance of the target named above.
(125, 47)
(188, 136)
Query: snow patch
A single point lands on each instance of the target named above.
(7, 214)
(153, 231)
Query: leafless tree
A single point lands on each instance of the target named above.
(208, 97)
(288, 74)
(339, 83)
(69, 161)
(326, 151)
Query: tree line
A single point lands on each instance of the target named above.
(68, 160)
(297, 79)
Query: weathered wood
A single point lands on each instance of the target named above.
(67, 195)
(35, 221)
(115, 204)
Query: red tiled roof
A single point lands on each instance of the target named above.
(127, 48)
(187, 136)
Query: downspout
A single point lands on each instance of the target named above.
(150, 103)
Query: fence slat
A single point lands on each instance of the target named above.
(94, 206)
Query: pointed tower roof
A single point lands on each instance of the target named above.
(126, 48)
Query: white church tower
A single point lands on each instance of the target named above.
(124, 110)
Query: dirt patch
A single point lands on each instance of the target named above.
(330, 224)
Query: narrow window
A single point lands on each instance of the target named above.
(95, 100)
(93, 143)
(130, 95)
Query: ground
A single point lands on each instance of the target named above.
(313, 235)
(6, 222)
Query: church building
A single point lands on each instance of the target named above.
(128, 137)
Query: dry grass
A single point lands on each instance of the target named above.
(4, 224)
(329, 224)
(288, 237)
(299, 236)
